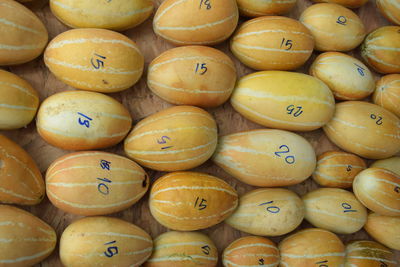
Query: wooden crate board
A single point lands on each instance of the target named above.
(141, 103)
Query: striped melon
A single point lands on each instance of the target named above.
(205, 22)
(337, 169)
(104, 241)
(387, 93)
(256, 8)
(191, 75)
(113, 15)
(188, 201)
(381, 49)
(346, 3)
(22, 35)
(378, 190)
(384, 229)
(334, 209)
(25, 239)
(95, 60)
(392, 164)
(272, 43)
(268, 212)
(80, 120)
(251, 251)
(368, 253)
(284, 100)
(346, 76)
(183, 249)
(365, 129)
(266, 157)
(20, 179)
(390, 9)
(334, 27)
(18, 101)
(312, 247)
(95, 183)
(177, 138)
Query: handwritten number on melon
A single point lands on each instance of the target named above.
(201, 68)
(383, 264)
(84, 122)
(164, 140)
(292, 108)
(97, 61)
(105, 165)
(261, 262)
(321, 263)
(285, 149)
(360, 69)
(378, 119)
(341, 20)
(397, 189)
(111, 251)
(206, 3)
(288, 44)
(103, 187)
(271, 209)
(347, 207)
(201, 205)
(206, 249)
(349, 167)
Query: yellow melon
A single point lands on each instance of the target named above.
(18, 101)
(384, 229)
(365, 253)
(255, 8)
(95, 183)
(188, 201)
(95, 60)
(390, 9)
(79, 120)
(387, 93)
(25, 239)
(346, 3)
(22, 35)
(20, 179)
(177, 138)
(392, 164)
(272, 43)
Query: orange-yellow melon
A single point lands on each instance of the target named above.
(268, 212)
(95, 60)
(188, 201)
(365, 129)
(18, 101)
(266, 157)
(284, 100)
(183, 249)
(384, 229)
(256, 8)
(379, 190)
(345, 3)
(113, 15)
(387, 93)
(95, 183)
(390, 9)
(337, 169)
(392, 164)
(312, 247)
(104, 241)
(334, 27)
(365, 253)
(334, 209)
(25, 239)
(272, 43)
(191, 75)
(346, 76)
(20, 179)
(381, 49)
(176, 138)
(193, 22)
(251, 251)
(81, 120)
(22, 35)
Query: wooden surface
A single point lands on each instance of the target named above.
(141, 103)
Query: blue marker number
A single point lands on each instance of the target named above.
(103, 187)
(347, 208)
(283, 150)
(97, 61)
(271, 208)
(84, 120)
(295, 111)
(111, 251)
